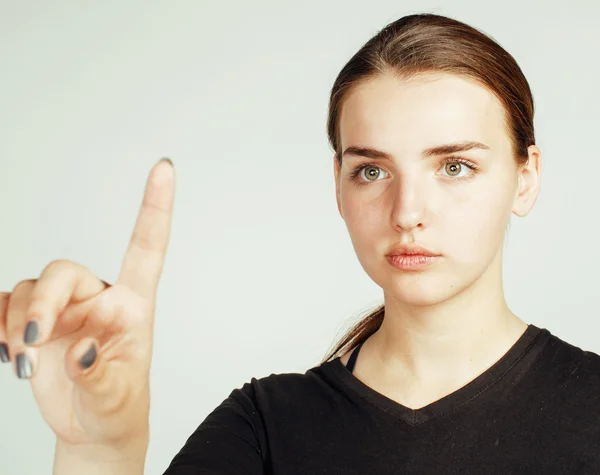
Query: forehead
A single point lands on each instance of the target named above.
(405, 116)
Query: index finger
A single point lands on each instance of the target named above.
(143, 262)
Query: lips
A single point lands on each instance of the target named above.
(411, 262)
(411, 250)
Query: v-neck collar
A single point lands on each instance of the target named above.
(525, 348)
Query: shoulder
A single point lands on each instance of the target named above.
(579, 357)
(291, 392)
(288, 382)
(573, 367)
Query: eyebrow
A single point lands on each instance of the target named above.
(445, 149)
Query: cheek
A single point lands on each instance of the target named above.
(363, 217)
(476, 224)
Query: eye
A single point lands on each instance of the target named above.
(453, 166)
(372, 172)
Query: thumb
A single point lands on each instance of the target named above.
(80, 359)
(101, 391)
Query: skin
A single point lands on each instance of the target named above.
(449, 322)
(98, 411)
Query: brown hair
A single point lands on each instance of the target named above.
(429, 43)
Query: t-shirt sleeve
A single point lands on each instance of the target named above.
(230, 441)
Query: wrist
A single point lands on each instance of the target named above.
(127, 458)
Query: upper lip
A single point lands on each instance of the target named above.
(410, 249)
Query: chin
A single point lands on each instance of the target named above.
(425, 298)
(419, 289)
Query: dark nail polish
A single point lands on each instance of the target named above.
(4, 353)
(88, 359)
(31, 332)
(23, 366)
(166, 159)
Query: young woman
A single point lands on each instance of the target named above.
(431, 123)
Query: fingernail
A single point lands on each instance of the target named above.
(88, 359)
(23, 366)
(4, 353)
(31, 332)
(166, 159)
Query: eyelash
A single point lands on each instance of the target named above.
(463, 161)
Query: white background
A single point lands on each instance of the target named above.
(260, 276)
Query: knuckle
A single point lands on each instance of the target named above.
(23, 286)
(63, 270)
(17, 302)
(145, 242)
(55, 275)
(150, 202)
(59, 264)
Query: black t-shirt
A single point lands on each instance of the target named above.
(535, 411)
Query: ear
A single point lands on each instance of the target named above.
(528, 187)
(336, 175)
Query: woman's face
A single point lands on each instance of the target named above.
(448, 208)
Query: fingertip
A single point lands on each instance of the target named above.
(37, 319)
(32, 332)
(79, 360)
(168, 160)
(24, 364)
(162, 175)
(89, 357)
(4, 353)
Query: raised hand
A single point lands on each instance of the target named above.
(86, 346)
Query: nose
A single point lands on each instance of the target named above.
(409, 208)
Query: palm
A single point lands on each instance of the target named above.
(126, 341)
(53, 389)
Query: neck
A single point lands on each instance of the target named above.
(451, 340)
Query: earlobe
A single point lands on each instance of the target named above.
(528, 183)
